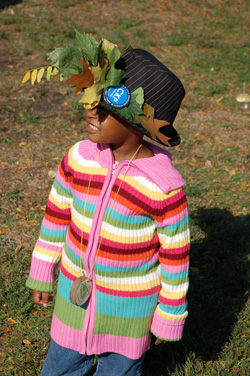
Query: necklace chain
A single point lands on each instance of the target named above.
(118, 190)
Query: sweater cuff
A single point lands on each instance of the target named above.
(167, 327)
(39, 285)
(41, 277)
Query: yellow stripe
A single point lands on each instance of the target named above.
(84, 168)
(148, 192)
(179, 244)
(127, 239)
(80, 224)
(70, 270)
(60, 205)
(173, 295)
(129, 287)
(47, 252)
(170, 317)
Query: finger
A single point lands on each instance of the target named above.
(45, 299)
(158, 341)
(37, 297)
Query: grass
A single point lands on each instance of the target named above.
(207, 45)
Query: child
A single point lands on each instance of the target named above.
(117, 217)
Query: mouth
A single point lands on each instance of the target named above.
(91, 128)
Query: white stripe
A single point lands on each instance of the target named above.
(85, 221)
(44, 257)
(146, 183)
(68, 262)
(129, 280)
(56, 244)
(60, 198)
(129, 233)
(78, 158)
(174, 239)
(175, 288)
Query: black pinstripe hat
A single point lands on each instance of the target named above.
(163, 91)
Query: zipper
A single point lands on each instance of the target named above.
(103, 199)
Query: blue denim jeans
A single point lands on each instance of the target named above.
(63, 361)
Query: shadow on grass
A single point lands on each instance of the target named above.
(7, 3)
(218, 291)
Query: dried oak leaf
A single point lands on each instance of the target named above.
(83, 79)
(152, 125)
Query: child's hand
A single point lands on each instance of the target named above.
(42, 298)
(159, 341)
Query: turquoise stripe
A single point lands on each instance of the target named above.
(174, 275)
(175, 226)
(53, 233)
(115, 269)
(64, 286)
(125, 307)
(59, 187)
(73, 255)
(174, 310)
(128, 218)
(81, 204)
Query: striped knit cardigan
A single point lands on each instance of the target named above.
(140, 277)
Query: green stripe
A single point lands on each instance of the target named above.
(175, 282)
(168, 232)
(87, 213)
(39, 286)
(53, 239)
(61, 191)
(68, 313)
(127, 225)
(120, 326)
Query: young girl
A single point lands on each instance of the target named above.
(116, 219)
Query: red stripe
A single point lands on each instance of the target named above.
(67, 274)
(129, 294)
(171, 302)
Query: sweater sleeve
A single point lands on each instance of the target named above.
(174, 238)
(48, 249)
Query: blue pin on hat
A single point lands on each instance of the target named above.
(117, 96)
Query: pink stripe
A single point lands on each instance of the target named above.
(167, 329)
(49, 246)
(67, 337)
(175, 269)
(42, 271)
(61, 179)
(53, 207)
(132, 348)
(173, 220)
(74, 339)
(51, 225)
(129, 294)
(124, 264)
(71, 245)
(82, 196)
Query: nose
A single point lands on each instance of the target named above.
(91, 113)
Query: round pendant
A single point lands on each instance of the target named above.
(80, 291)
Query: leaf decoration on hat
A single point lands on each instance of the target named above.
(83, 79)
(135, 105)
(92, 94)
(88, 46)
(37, 74)
(153, 125)
(114, 75)
(87, 65)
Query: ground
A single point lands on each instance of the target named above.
(207, 45)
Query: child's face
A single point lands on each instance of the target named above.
(105, 128)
